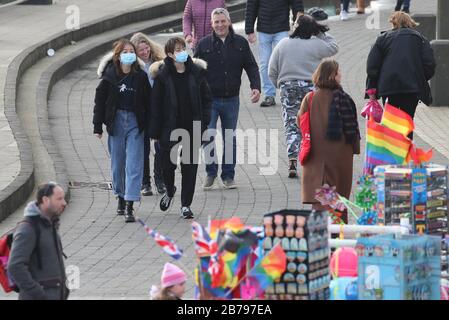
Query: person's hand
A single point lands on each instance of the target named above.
(98, 135)
(255, 95)
(189, 40)
(252, 37)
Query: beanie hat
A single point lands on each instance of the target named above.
(172, 275)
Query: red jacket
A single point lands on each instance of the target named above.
(196, 20)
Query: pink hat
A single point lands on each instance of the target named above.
(172, 275)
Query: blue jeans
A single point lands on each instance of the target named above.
(126, 150)
(227, 109)
(266, 44)
(405, 4)
(345, 4)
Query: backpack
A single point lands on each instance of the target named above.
(5, 250)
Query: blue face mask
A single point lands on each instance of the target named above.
(181, 57)
(128, 58)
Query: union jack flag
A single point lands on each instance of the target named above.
(168, 245)
(201, 239)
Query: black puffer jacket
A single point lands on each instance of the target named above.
(401, 62)
(272, 15)
(164, 102)
(106, 99)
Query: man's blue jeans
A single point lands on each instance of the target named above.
(227, 109)
(266, 44)
(126, 150)
(345, 4)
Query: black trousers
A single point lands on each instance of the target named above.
(188, 170)
(406, 102)
(146, 162)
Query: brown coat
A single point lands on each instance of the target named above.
(329, 161)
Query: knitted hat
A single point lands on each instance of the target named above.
(172, 275)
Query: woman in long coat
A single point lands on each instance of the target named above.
(334, 133)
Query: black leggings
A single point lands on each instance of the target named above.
(406, 102)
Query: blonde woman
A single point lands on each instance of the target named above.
(149, 52)
(400, 64)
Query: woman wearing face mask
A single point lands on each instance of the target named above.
(122, 103)
(149, 52)
(180, 103)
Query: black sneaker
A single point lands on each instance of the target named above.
(166, 201)
(268, 102)
(160, 186)
(146, 190)
(186, 213)
(121, 206)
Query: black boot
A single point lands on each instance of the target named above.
(129, 217)
(121, 206)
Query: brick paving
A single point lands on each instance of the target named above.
(118, 260)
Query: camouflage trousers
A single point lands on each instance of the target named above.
(292, 93)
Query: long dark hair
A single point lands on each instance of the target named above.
(307, 27)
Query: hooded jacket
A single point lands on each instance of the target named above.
(401, 62)
(47, 281)
(164, 103)
(106, 96)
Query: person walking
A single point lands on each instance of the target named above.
(122, 103)
(291, 68)
(226, 54)
(335, 135)
(180, 104)
(36, 262)
(196, 19)
(400, 64)
(149, 51)
(404, 4)
(272, 26)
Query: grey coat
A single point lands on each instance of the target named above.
(49, 281)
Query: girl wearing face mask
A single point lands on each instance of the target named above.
(122, 103)
(181, 100)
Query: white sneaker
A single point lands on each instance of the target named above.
(344, 15)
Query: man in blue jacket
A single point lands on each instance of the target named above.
(226, 54)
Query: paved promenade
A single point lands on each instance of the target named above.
(118, 260)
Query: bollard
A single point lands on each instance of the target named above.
(427, 25)
(442, 20)
(440, 82)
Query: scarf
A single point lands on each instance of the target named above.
(342, 118)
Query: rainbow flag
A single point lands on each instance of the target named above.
(234, 224)
(419, 156)
(269, 269)
(397, 120)
(384, 146)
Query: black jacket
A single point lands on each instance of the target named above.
(272, 15)
(106, 99)
(401, 62)
(164, 102)
(225, 63)
(36, 261)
